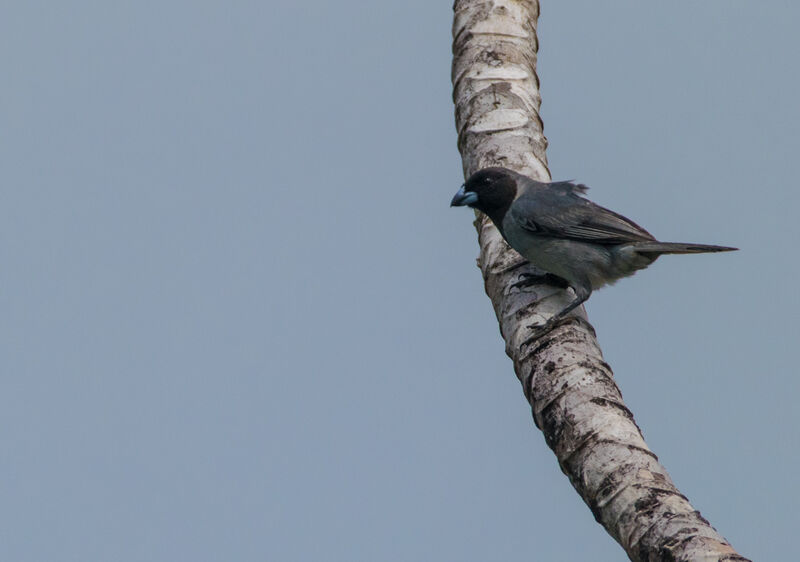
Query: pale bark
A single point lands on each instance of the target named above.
(572, 393)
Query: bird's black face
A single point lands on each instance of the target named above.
(491, 190)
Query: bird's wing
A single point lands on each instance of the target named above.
(559, 212)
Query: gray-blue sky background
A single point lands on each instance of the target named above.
(240, 321)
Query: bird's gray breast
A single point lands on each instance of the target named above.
(580, 263)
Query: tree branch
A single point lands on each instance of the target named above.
(571, 390)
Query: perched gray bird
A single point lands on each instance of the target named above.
(559, 231)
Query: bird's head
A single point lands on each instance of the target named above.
(491, 190)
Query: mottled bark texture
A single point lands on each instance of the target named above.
(572, 392)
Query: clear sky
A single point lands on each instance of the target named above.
(240, 322)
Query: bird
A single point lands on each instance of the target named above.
(578, 243)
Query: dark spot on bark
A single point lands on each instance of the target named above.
(663, 555)
(659, 477)
(642, 450)
(545, 341)
(539, 345)
(492, 58)
(523, 312)
(611, 404)
(576, 320)
(608, 483)
(552, 430)
(697, 514)
(648, 504)
(674, 547)
(666, 548)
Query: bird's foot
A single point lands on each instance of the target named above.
(528, 279)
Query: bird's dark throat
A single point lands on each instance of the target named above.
(496, 199)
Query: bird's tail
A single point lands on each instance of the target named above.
(678, 248)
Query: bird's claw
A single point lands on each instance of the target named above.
(528, 279)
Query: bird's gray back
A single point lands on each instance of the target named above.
(557, 210)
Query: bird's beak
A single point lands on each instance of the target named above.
(462, 198)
